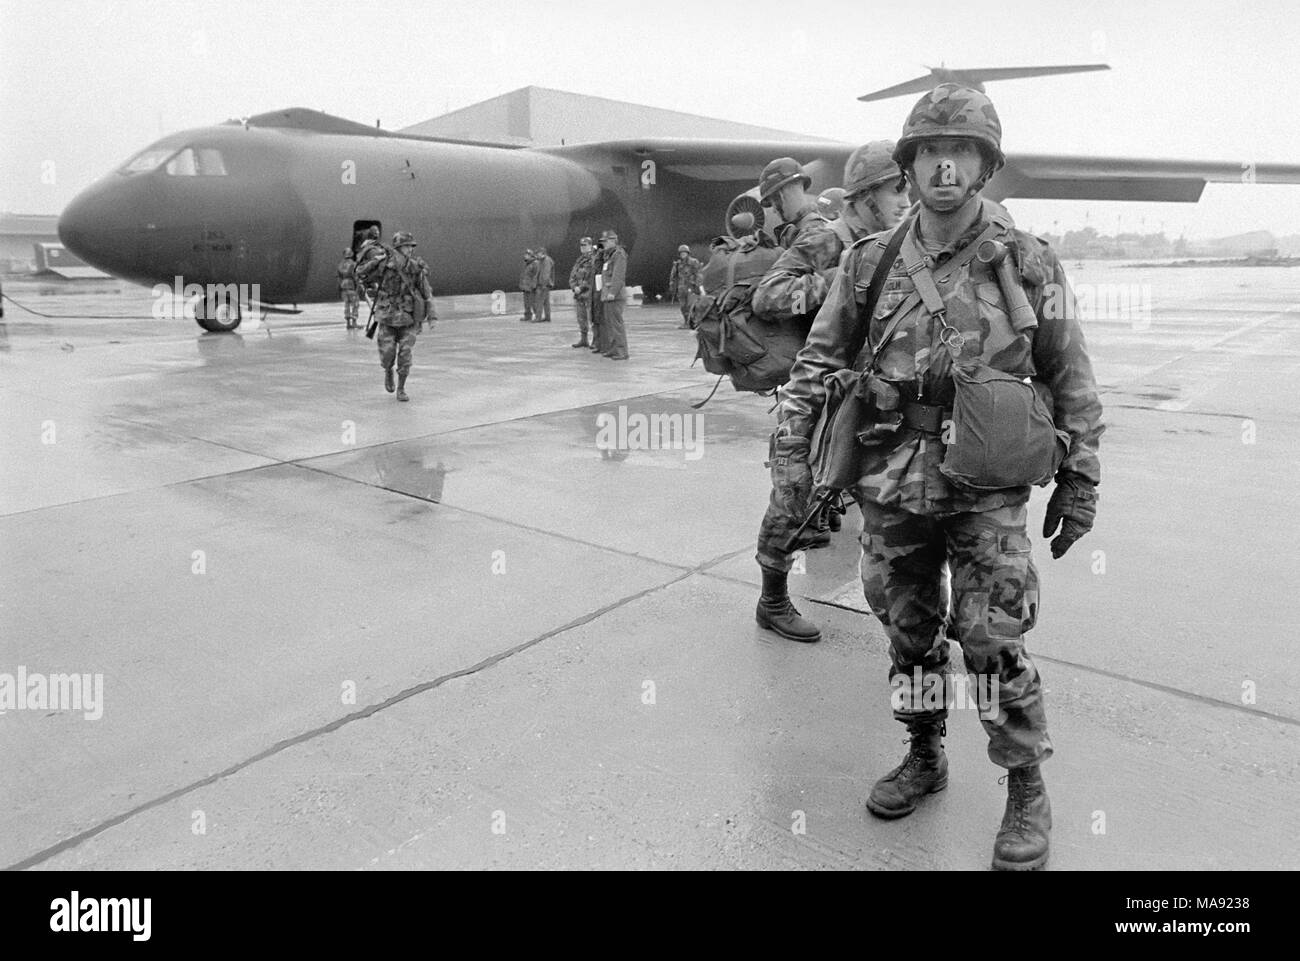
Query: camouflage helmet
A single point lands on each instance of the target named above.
(776, 175)
(869, 166)
(347, 251)
(830, 202)
(404, 237)
(951, 110)
(683, 249)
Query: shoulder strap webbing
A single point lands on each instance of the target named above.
(873, 292)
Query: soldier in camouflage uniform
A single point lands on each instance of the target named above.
(580, 283)
(684, 281)
(403, 303)
(792, 289)
(348, 287)
(915, 522)
(542, 292)
(528, 285)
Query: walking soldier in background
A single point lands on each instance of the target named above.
(946, 440)
(348, 287)
(580, 279)
(403, 303)
(684, 282)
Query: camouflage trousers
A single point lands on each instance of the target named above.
(968, 577)
(685, 301)
(582, 308)
(395, 345)
(779, 522)
(350, 303)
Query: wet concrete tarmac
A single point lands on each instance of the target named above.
(337, 631)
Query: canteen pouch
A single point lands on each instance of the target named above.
(860, 410)
(1002, 433)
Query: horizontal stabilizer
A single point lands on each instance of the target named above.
(975, 77)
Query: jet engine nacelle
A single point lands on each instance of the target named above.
(748, 202)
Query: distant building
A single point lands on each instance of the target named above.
(541, 117)
(19, 235)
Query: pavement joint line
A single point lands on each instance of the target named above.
(301, 461)
(1085, 668)
(303, 737)
(500, 520)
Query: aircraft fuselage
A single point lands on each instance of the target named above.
(275, 207)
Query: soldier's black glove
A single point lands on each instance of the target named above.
(1073, 506)
(791, 475)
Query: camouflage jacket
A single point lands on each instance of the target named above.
(903, 471)
(797, 283)
(685, 275)
(347, 274)
(580, 276)
(398, 282)
(528, 279)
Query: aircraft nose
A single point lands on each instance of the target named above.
(91, 226)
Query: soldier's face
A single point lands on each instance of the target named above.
(945, 170)
(892, 200)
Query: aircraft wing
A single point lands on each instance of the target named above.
(1072, 177)
(1027, 176)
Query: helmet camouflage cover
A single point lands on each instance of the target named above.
(776, 175)
(869, 166)
(830, 202)
(951, 110)
(402, 238)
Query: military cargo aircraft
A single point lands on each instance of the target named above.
(266, 204)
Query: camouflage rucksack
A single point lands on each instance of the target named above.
(756, 354)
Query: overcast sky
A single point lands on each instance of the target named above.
(86, 83)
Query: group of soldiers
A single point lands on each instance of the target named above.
(940, 561)
(395, 282)
(598, 281)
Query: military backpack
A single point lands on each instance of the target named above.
(756, 354)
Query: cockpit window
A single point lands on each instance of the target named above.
(197, 162)
(146, 160)
(190, 162)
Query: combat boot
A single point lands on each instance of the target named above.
(777, 614)
(581, 343)
(1022, 841)
(388, 379)
(924, 771)
(401, 387)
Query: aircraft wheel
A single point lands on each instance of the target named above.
(221, 318)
